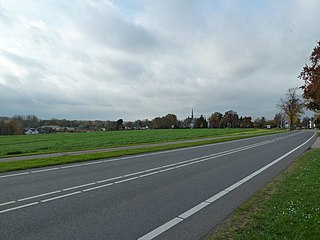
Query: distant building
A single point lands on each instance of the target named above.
(190, 121)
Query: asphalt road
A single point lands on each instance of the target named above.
(177, 194)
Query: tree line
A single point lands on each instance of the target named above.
(20, 124)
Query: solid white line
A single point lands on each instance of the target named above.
(58, 197)
(193, 210)
(19, 207)
(40, 195)
(161, 229)
(214, 198)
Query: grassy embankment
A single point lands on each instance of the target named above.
(40, 144)
(287, 208)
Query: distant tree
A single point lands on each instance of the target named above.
(215, 120)
(157, 123)
(258, 123)
(245, 122)
(201, 122)
(292, 106)
(11, 127)
(311, 77)
(110, 125)
(168, 121)
(279, 120)
(128, 125)
(120, 124)
(231, 119)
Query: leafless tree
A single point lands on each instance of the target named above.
(292, 106)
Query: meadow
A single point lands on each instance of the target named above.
(65, 142)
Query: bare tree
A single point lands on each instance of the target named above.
(292, 106)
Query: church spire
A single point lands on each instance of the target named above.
(192, 114)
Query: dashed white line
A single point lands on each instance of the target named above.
(61, 196)
(14, 175)
(7, 203)
(126, 180)
(80, 186)
(19, 207)
(40, 195)
(109, 179)
(94, 188)
(45, 170)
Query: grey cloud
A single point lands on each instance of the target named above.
(23, 61)
(109, 29)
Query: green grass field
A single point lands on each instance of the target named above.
(39, 144)
(48, 143)
(287, 208)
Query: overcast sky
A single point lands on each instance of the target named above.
(86, 59)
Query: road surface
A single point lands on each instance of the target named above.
(176, 194)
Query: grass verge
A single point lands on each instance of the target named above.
(44, 162)
(287, 208)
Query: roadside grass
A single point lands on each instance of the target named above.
(287, 208)
(52, 161)
(23, 145)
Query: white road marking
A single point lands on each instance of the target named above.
(161, 229)
(45, 170)
(190, 212)
(148, 174)
(58, 197)
(40, 195)
(193, 210)
(14, 175)
(80, 186)
(19, 207)
(94, 188)
(7, 203)
(126, 180)
(109, 179)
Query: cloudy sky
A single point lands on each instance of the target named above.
(136, 59)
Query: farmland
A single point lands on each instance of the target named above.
(49, 143)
